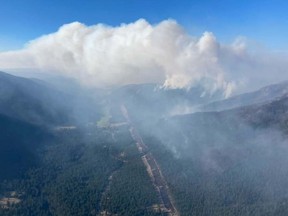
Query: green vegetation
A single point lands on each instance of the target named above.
(131, 191)
(230, 163)
(18, 143)
(240, 177)
(74, 177)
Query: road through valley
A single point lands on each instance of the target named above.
(153, 169)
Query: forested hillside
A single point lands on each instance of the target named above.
(227, 163)
(114, 162)
(84, 174)
(19, 142)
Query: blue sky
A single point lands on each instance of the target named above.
(263, 21)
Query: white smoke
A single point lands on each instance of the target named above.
(139, 52)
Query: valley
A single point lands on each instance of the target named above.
(166, 203)
(143, 108)
(124, 154)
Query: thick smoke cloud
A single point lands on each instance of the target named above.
(139, 52)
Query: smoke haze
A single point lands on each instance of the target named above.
(139, 52)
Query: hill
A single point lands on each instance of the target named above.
(263, 95)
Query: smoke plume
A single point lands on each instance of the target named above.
(139, 52)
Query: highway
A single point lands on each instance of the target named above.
(153, 169)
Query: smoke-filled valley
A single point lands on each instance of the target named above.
(72, 149)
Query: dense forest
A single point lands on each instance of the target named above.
(84, 174)
(104, 161)
(227, 163)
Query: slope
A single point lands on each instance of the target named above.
(263, 95)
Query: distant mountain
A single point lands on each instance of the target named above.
(40, 102)
(229, 126)
(262, 95)
(156, 93)
(31, 101)
(270, 115)
(152, 101)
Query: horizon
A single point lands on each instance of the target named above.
(233, 46)
(143, 107)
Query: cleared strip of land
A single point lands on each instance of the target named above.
(153, 169)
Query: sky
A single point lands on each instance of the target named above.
(262, 21)
(228, 45)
